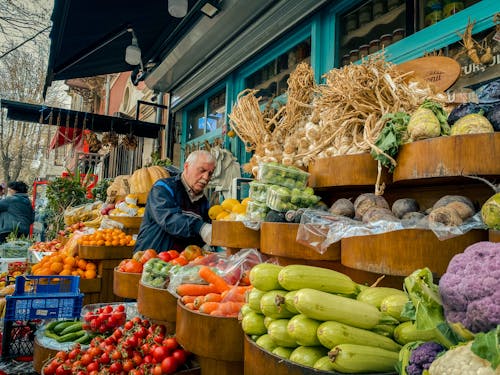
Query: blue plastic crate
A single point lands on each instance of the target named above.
(44, 297)
(30, 285)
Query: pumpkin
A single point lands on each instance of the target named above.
(143, 179)
(119, 186)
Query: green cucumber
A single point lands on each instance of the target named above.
(72, 336)
(76, 326)
(62, 325)
(85, 339)
(51, 334)
(50, 326)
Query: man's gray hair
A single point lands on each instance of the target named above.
(195, 155)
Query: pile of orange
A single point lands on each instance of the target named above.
(107, 237)
(65, 265)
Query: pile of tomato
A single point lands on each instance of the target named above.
(137, 348)
(105, 319)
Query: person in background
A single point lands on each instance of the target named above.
(2, 190)
(16, 211)
(176, 212)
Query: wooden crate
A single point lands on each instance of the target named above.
(105, 269)
(91, 288)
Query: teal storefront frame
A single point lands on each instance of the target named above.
(323, 30)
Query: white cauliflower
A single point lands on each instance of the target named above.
(462, 361)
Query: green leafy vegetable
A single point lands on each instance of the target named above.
(487, 346)
(391, 138)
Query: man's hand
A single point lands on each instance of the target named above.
(206, 233)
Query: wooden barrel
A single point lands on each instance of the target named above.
(234, 234)
(459, 155)
(494, 235)
(126, 284)
(346, 170)
(40, 355)
(403, 251)
(216, 341)
(279, 239)
(156, 304)
(105, 252)
(259, 361)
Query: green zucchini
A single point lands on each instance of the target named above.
(303, 330)
(307, 355)
(325, 306)
(324, 363)
(278, 331)
(283, 352)
(264, 276)
(289, 304)
(374, 296)
(253, 299)
(331, 334)
(393, 305)
(266, 342)
(297, 276)
(407, 332)
(355, 359)
(253, 324)
(272, 305)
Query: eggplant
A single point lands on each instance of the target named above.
(489, 92)
(462, 110)
(493, 115)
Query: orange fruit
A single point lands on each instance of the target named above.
(107, 243)
(90, 266)
(90, 274)
(82, 263)
(56, 267)
(69, 260)
(100, 242)
(115, 242)
(65, 273)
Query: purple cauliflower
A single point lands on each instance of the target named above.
(422, 357)
(470, 287)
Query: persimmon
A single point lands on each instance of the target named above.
(56, 267)
(90, 274)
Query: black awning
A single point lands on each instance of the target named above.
(89, 38)
(37, 113)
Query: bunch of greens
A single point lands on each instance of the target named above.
(392, 136)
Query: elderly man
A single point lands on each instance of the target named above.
(176, 210)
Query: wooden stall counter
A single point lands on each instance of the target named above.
(234, 235)
(158, 305)
(131, 224)
(217, 342)
(126, 284)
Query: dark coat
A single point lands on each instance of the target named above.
(16, 212)
(171, 220)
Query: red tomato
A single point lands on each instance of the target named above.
(104, 359)
(159, 353)
(173, 254)
(86, 359)
(169, 365)
(147, 255)
(165, 256)
(115, 368)
(180, 356)
(93, 366)
(191, 252)
(157, 370)
(170, 343)
(179, 261)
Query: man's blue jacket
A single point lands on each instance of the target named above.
(171, 220)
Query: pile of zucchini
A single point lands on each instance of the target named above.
(321, 318)
(68, 331)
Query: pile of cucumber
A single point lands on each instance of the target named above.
(68, 331)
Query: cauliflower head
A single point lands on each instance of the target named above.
(470, 287)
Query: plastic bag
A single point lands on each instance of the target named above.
(320, 229)
(108, 223)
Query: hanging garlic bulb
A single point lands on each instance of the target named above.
(298, 163)
(313, 133)
(330, 151)
(304, 143)
(290, 146)
(287, 160)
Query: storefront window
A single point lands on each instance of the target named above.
(196, 122)
(271, 79)
(216, 111)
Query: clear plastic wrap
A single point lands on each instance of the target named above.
(320, 229)
(232, 268)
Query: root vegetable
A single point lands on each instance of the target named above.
(403, 206)
(343, 207)
(445, 200)
(367, 200)
(377, 214)
(463, 209)
(413, 216)
(445, 215)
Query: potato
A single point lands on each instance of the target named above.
(343, 207)
(378, 213)
(367, 200)
(445, 215)
(404, 206)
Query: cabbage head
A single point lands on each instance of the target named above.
(490, 212)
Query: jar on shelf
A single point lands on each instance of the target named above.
(365, 14)
(363, 50)
(351, 22)
(433, 12)
(345, 60)
(393, 4)
(385, 40)
(373, 46)
(353, 55)
(397, 35)
(378, 8)
(450, 7)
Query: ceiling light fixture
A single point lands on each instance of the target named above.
(133, 52)
(211, 8)
(177, 8)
